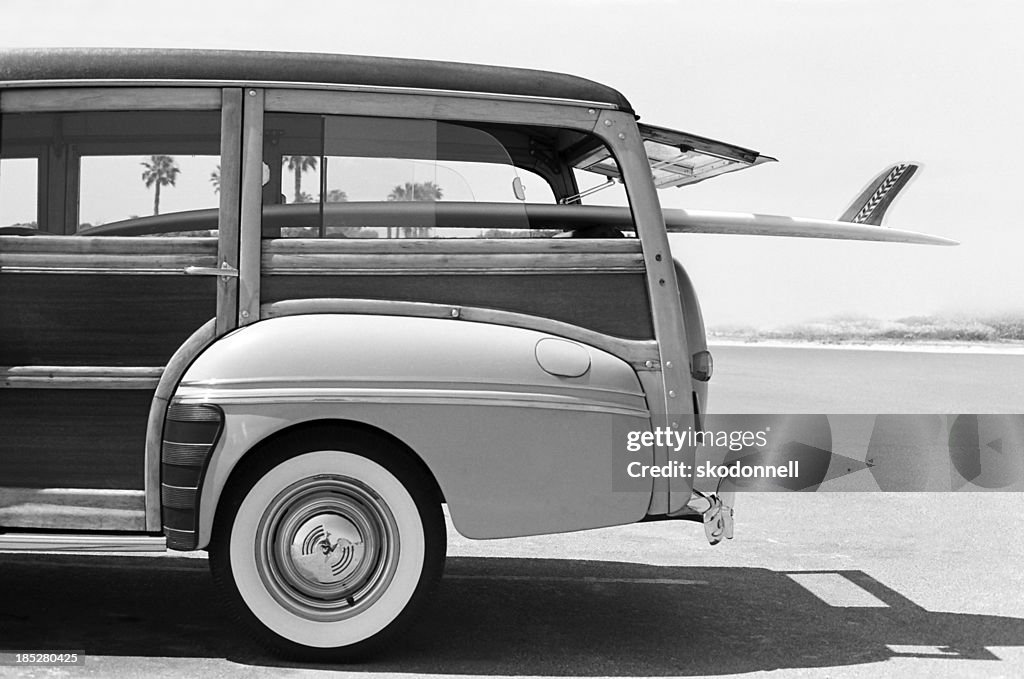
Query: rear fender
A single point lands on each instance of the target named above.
(516, 449)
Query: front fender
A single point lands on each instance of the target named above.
(516, 449)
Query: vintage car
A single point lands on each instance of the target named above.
(284, 307)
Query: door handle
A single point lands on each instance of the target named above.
(225, 270)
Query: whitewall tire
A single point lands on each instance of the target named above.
(327, 553)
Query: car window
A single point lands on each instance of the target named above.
(111, 172)
(19, 192)
(119, 188)
(362, 177)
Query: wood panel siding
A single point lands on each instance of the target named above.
(100, 319)
(76, 99)
(127, 252)
(324, 257)
(73, 438)
(611, 303)
(594, 284)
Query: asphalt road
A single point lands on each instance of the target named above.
(814, 585)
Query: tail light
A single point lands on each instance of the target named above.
(702, 365)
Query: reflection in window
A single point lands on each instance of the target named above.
(339, 175)
(299, 168)
(111, 172)
(396, 180)
(119, 188)
(361, 177)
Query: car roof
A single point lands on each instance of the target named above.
(147, 64)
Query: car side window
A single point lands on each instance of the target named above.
(19, 193)
(361, 177)
(111, 172)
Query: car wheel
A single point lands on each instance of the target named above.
(327, 553)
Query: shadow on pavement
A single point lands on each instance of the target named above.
(503, 617)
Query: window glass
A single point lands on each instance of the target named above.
(359, 177)
(111, 172)
(300, 179)
(19, 192)
(117, 189)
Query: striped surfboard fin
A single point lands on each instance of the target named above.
(870, 205)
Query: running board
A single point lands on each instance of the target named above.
(42, 542)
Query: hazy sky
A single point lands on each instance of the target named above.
(834, 89)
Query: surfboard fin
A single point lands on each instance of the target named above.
(870, 205)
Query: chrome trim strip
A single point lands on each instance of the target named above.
(185, 454)
(32, 542)
(179, 497)
(179, 533)
(81, 270)
(180, 413)
(402, 383)
(445, 397)
(268, 84)
(78, 377)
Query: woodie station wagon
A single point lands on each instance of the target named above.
(281, 307)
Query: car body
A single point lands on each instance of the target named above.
(272, 374)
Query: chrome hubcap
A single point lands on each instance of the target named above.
(327, 547)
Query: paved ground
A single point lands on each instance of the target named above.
(815, 585)
(819, 585)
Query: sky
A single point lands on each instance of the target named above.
(835, 89)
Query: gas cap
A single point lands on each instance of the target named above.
(562, 358)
